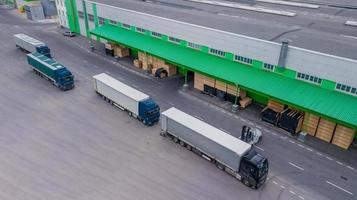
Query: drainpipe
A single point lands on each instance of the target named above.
(283, 53)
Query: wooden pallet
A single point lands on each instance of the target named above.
(343, 136)
(276, 106)
(325, 130)
(310, 124)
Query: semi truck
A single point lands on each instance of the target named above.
(31, 45)
(51, 70)
(136, 103)
(230, 154)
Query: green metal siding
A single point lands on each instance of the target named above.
(312, 98)
(85, 18)
(72, 15)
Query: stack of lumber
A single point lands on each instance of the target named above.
(343, 136)
(121, 51)
(232, 90)
(199, 81)
(325, 130)
(209, 85)
(310, 123)
(276, 106)
(219, 85)
(209, 81)
(138, 63)
(170, 69)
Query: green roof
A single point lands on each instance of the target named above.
(331, 104)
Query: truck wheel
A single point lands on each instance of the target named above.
(176, 140)
(246, 182)
(182, 143)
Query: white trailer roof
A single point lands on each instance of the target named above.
(29, 39)
(121, 87)
(208, 131)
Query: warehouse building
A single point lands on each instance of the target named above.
(303, 90)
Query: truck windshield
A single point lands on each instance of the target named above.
(153, 111)
(67, 78)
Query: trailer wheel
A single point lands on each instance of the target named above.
(175, 139)
(188, 147)
(219, 165)
(182, 143)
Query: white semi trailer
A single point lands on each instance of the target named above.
(227, 152)
(31, 45)
(138, 104)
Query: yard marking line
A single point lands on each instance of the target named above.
(301, 197)
(198, 117)
(274, 133)
(300, 145)
(349, 167)
(318, 153)
(283, 187)
(275, 182)
(338, 162)
(292, 192)
(107, 72)
(309, 149)
(172, 104)
(291, 141)
(294, 165)
(329, 158)
(283, 137)
(259, 147)
(340, 188)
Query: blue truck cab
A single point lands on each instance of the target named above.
(43, 49)
(149, 112)
(58, 74)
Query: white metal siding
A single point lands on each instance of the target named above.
(322, 65)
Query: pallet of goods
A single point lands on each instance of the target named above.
(310, 124)
(343, 136)
(325, 130)
(291, 120)
(198, 81)
(109, 49)
(269, 115)
(121, 51)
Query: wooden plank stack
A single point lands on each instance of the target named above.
(209, 81)
(232, 89)
(343, 136)
(199, 81)
(221, 86)
(310, 124)
(276, 106)
(325, 130)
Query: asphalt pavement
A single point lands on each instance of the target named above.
(74, 145)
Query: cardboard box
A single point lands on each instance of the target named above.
(343, 136)
(325, 130)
